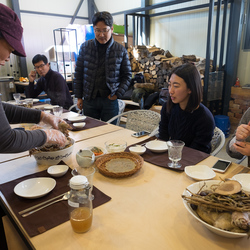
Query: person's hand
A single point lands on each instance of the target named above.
(242, 147)
(80, 103)
(114, 97)
(242, 132)
(32, 76)
(51, 119)
(55, 137)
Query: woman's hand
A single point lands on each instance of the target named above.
(242, 132)
(55, 137)
(51, 120)
(242, 147)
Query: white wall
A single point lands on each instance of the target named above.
(181, 33)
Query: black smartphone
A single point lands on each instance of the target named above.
(140, 134)
(221, 166)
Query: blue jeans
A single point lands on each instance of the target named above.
(101, 108)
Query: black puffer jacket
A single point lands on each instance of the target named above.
(118, 69)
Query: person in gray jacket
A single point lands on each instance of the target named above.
(103, 71)
(239, 145)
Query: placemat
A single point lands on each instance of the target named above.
(51, 216)
(90, 123)
(190, 156)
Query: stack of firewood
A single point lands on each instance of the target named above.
(155, 63)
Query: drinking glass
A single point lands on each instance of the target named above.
(57, 111)
(17, 97)
(175, 152)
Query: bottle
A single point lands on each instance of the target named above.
(80, 204)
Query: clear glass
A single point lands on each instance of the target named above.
(28, 103)
(17, 97)
(175, 152)
(80, 210)
(116, 145)
(57, 111)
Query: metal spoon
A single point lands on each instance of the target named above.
(64, 198)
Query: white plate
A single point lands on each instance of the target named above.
(157, 146)
(57, 170)
(36, 100)
(77, 118)
(244, 180)
(50, 106)
(194, 188)
(103, 150)
(35, 187)
(200, 172)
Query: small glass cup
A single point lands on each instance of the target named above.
(114, 146)
(57, 111)
(28, 103)
(17, 97)
(175, 152)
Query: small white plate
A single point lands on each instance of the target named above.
(35, 100)
(34, 187)
(57, 170)
(200, 172)
(79, 124)
(50, 106)
(157, 146)
(77, 118)
(102, 149)
(137, 149)
(244, 180)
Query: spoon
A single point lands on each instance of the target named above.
(64, 198)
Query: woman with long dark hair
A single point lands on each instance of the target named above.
(183, 116)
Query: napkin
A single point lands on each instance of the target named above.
(90, 123)
(190, 156)
(51, 216)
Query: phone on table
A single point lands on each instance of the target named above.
(221, 166)
(140, 134)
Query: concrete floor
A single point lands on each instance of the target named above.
(223, 154)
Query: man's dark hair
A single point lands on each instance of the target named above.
(37, 58)
(103, 16)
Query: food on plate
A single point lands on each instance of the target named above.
(223, 205)
(120, 165)
(23, 79)
(97, 151)
(63, 127)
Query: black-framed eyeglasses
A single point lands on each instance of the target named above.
(105, 31)
(40, 66)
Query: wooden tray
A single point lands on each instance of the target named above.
(101, 164)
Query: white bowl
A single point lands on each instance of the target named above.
(77, 118)
(57, 170)
(36, 100)
(194, 188)
(244, 180)
(157, 146)
(79, 124)
(200, 172)
(85, 158)
(137, 149)
(34, 187)
(116, 145)
(50, 106)
(54, 157)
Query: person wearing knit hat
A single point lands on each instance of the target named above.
(11, 32)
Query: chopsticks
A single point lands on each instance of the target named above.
(40, 204)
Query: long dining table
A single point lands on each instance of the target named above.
(146, 210)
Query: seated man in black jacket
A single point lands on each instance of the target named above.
(51, 82)
(102, 71)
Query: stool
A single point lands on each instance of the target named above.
(223, 123)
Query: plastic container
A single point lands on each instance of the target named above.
(223, 123)
(80, 204)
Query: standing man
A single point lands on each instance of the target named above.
(51, 82)
(103, 71)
